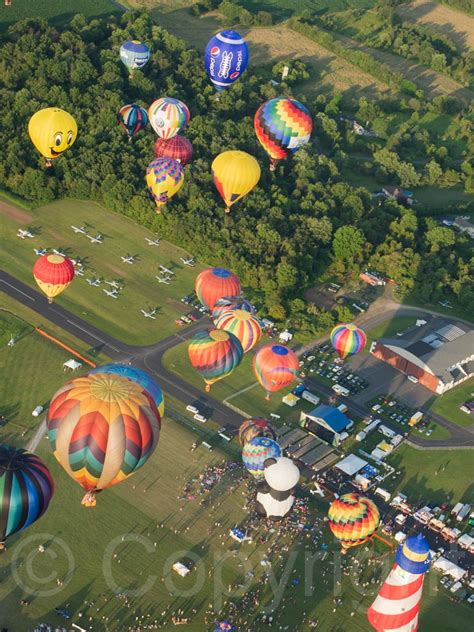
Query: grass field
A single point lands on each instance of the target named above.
(389, 328)
(448, 404)
(119, 317)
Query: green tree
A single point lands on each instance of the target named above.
(349, 243)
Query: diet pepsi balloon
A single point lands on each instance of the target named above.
(226, 58)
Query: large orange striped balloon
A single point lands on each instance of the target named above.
(243, 325)
(102, 427)
(353, 519)
(214, 283)
(53, 273)
(275, 367)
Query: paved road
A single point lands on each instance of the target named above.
(150, 358)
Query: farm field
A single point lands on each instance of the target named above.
(58, 11)
(448, 404)
(119, 317)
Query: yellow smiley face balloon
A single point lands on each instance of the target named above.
(52, 131)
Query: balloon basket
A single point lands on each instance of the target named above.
(267, 397)
(50, 301)
(129, 139)
(89, 500)
(272, 166)
(48, 163)
(207, 388)
(227, 210)
(2, 543)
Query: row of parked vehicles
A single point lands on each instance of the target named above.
(320, 361)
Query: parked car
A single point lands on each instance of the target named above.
(413, 379)
(200, 418)
(192, 409)
(38, 410)
(192, 317)
(179, 322)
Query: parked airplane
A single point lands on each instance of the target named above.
(163, 280)
(188, 262)
(149, 314)
(94, 282)
(129, 259)
(152, 242)
(112, 293)
(81, 229)
(163, 269)
(79, 272)
(59, 252)
(95, 240)
(40, 251)
(22, 234)
(114, 284)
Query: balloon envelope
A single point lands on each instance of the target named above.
(347, 339)
(243, 325)
(229, 303)
(214, 354)
(102, 428)
(275, 367)
(26, 488)
(52, 131)
(353, 518)
(168, 116)
(164, 178)
(255, 427)
(135, 375)
(235, 174)
(134, 54)
(213, 283)
(53, 274)
(257, 451)
(225, 58)
(132, 118)
(179, 148)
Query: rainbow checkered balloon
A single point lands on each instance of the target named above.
(347, 339)
(353, 519)
(257, 451)
(282, 126)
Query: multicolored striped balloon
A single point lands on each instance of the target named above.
(275, 367)
(132, 118)
(102, 428)
(214, 354)
(53, 274)
(135, 375)
(179, 148)
(347, 339)
(26, 488)
(257, 451)
(353, 519)
(229, 303)
(164, 177)
(282, 126)
(213, 283)
(168, 116)
(243, 325)
(255, 427)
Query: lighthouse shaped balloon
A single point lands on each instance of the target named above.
(226, 57)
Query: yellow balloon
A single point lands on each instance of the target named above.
(235, 174)
(52, 131)
(164, 178)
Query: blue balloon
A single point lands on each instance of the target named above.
(226, 58)
(136, 375)
(134, 54)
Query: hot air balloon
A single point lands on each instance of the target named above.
(225, 59)
(135, 375)
(282, 126)
(213, 283)
(275, 495)
(52, 131)
(178, 148)
(168, 117)
(347, 339)
(102, 428)
(275, 367)
(214, 354)
(134, 54)
(255, 427)
(164, 178)
(229, 303)
(353, 519)
(132, 118)
(257, 451)
(26, 488)
(53, 273)
(224, 626)
(243, 325)
(235, 174)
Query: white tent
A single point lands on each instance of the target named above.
(285, 336)
(72, 364)
(351, 464)
(181, 569)
(448, 568)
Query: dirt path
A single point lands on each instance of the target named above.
(15, 213)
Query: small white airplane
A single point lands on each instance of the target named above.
(95, 240)
(152, 242)
(112, 293)
(149, 314)
(81, 230)
(165, 280)
(40, 251)
(77, 262)
(94, 282)
(163, 269)
(22, 234)
(79, 272)
(114, 284)
(188, 262)
(59, 252)
(130, 259)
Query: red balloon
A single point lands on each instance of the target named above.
(178, 147)
(53, 273)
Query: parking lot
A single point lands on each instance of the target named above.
(392, 410)
(321, 362)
